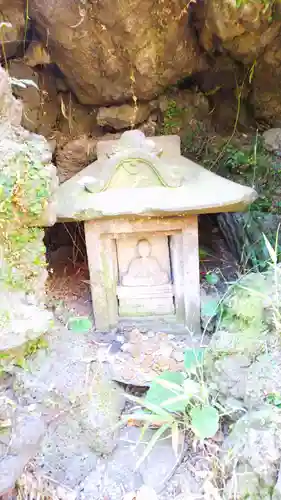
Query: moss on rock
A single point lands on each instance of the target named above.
(27, 187)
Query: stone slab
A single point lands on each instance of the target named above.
(138, 180)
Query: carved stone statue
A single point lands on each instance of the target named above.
(144, 270)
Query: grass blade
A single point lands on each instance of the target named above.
(175, 438)
(157, 410)
(157, 435)
(145, 417)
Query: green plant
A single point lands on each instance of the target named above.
(33, 346)
(246, 162)
(267, 4)
(274, 398)
(19, 357)
(177, 402)
(172, 118)
(80, 324)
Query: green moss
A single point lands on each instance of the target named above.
(24, 194)
(24, 258)
(24, 189)
(19, 356)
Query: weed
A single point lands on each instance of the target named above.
(245, 161)
(172, 118)
(177, 402)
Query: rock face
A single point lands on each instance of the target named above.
(23, 441)
(74, 156)
(272, 140)
(265, 96)
(27, 197)
(252, 455)
(244, 32)
(13, 29)
(40, 105)
(110, 53)
(249, 34)
(82, 408)
(246, 351)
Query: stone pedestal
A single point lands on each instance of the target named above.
(144, 268)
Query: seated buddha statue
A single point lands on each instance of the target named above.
(144, 270)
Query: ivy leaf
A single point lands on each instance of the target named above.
(4, 355)
(204, 421)
(212, 278)
(210, 308)
(159, 394)
(80, 324)
(22, 363)
(193, 359)
(202, 253)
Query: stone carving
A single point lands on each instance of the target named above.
(145, 270)
(134, 173)
(135, 139)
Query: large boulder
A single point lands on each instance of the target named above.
(266, 90)
(244, 32)
(249, 34)
(110, 52)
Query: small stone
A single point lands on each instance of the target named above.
(163, 363)
(178, 356)
(126, 347)
(148, 361)
(272, 139)
(146, 493)
(171, 337)
(135, 336)
(165, 350)
(172, 365)
(135, 350)
(218, 437)
(115, 347)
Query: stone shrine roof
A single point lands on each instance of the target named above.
(143, 177)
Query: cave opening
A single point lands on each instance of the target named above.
(68, 283)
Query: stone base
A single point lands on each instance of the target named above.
(145, 301)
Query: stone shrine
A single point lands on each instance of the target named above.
(140, 203)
